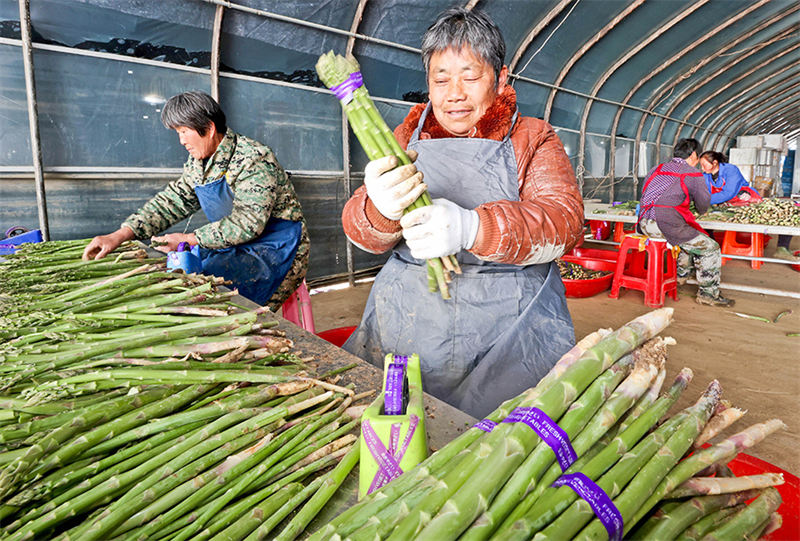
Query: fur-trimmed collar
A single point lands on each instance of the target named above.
(494, 124)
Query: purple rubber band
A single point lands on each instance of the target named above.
(401, 359)
(598, 500)
(393, 396)
(388, 465)
(392, 456)
(344, 90)
(487, 425)
(549, 431)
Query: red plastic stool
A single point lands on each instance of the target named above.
(297, 308)
(650, 274)
(620, 231)
(750, 244)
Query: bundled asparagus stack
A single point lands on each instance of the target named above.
(135, 405)
(508, 484)
(343, 76)
(769, 212)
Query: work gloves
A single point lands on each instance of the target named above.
(439, 230)
(391, 188)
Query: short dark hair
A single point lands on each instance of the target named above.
(458, 27)
(685, 147)
(195, 110)
(714, 156)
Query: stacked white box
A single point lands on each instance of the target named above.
(743, 156)
(750, 141)
(774, 141)
(747, 171)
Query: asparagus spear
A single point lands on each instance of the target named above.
(748, 519)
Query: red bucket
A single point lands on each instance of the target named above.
(337, 336)
(797, 266)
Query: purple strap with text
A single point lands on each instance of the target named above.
(344, 90)
(487, 425)
(393, 395)
(388, 460)
(599, 501)
(549, 431)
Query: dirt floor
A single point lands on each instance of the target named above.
(757, 364)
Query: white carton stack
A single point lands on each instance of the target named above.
(758, 157)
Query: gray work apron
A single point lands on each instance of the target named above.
(505, 325)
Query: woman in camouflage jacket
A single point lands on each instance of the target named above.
(256, 236)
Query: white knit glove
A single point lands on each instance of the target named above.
(440, 229)
(392, 188)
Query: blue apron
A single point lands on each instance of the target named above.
(258, 267)
(505, 325)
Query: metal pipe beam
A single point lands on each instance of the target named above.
(616, 65)
(658, 69)
(666, 89)
(739, 96)
(728, 85)
(761, 97)
(584, 48)
(33, 115)
(683, 95)
(215, 40)
(309, 24)
(782, 106)
(533, 32)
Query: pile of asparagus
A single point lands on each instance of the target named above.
(137, 403)
(605, 394)
(783, 212)
(574, 271)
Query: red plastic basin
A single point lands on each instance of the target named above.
(337, 336)
(578, 289)
(745, 464)
(797, 266)
(591, 253)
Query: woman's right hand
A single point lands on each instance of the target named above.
(392, 189)
(102, 245)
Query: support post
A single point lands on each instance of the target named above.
(33, 115)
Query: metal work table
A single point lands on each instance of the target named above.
(594, 210)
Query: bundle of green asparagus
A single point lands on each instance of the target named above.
(343, 76)
(501, 480)
(141, 404)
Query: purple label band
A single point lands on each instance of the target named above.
(598, 500)
(401, 359)
(549, 431)
(344, 91)
(393, 395)
(388, 460)
(486, 425)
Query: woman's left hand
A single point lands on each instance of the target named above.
(170, 242)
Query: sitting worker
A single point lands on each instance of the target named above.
(664, 213)
(727, 185)
(257, 235)
(505, 202)
(725, 182)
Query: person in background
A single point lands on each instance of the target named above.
(505, 201)
(727, 185)
(664, 213)
(257, 235)
(725, 182)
